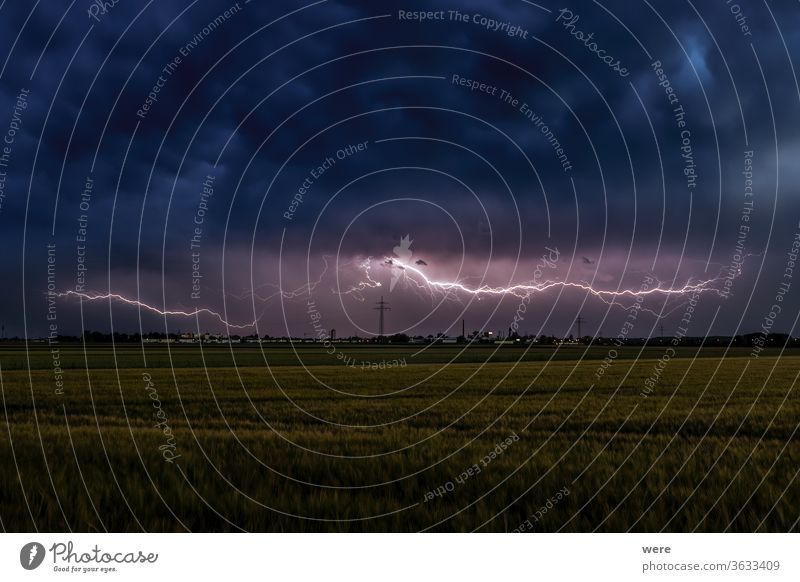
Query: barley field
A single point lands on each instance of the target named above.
(277, 439)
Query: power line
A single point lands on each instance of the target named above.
(382, 307)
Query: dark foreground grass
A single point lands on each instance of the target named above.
(329, 448)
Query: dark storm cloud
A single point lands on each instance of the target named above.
(219, 102)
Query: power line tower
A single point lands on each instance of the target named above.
(579, 320)
(382, 307)
(662, 330)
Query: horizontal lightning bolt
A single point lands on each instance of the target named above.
(420, 282)
(163, 312)
(525, 290)
(293, 294)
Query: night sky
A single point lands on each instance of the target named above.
(193, 155)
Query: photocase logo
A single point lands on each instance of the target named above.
(31, 555)
(404, 253)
